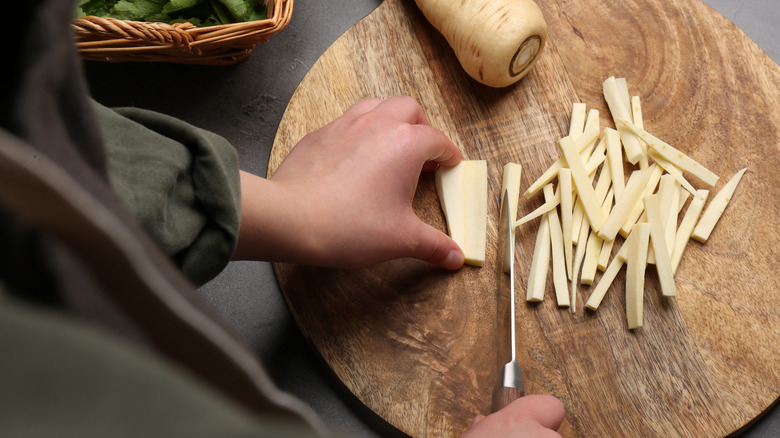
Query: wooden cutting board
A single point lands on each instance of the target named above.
(415, 344)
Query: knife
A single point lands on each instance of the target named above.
(510, 383)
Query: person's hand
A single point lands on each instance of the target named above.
(343, 196)
(530, 416)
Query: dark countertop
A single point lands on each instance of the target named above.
(244, 103)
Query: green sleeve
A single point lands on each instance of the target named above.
(180, 182)
(61, 378)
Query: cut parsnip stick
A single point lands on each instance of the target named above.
(591, 124)
(635, 275)
(609, 275)
(581, 143)
(639, 207)
(583, 184)
(671, 169)
(462, 191)
(511, 185)
(683, 235)
(669, 195)
(540, 263)
(615, 160)
(578, 217)
(636, 112)
(625, 96)
(605, 249)
(663, 262)
(638, 119)
(594, 162)
(542, 209)
(577, 123)
(603, 187)
(620, 112)
(684, 195)
(591, 258)
(626, 203)
(715, 208)
(593, 248)
(672, 155)
(579, 254)
(671, 209)
(511, 181)
(606, 254)
(567, 205)
(595, 298)
(558, 260)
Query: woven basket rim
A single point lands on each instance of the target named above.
(111, 39)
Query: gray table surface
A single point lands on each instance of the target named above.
(245, 103)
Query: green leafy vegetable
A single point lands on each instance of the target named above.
(137, 10)
(198, 12)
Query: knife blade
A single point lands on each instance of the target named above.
(510, 384)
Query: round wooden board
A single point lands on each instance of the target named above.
(415, 343)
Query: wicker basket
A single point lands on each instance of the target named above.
(108, 39)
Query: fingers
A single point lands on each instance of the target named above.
(361, 107)
(405, 109)
(429, 145)
(545, 409)
(477, 419)
(435, 247)
(433, 146)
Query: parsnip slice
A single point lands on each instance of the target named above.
(591, 258)
(615, 160)
(683, 235)
(636, 112)
(715, 208)
(671, 209)
(558, 259)
(635, 275)
(462, 191)
(567, 205)
(606, 254)
(594, 162)
(577, 123)
(620, 112)
(579, 254)
(583, 184)
(540, 263)
(591, 124)
(595, 298)
(577, 218)
(636, 212)
(603, 187)
(625, 96)
(674, 156)
(593, 248)
(669, 200)
(626, 203)
(581, 143)
(638, 119)
(663, 262)
(511, 184)
(542, 209)
(671, 169)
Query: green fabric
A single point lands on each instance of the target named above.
(180, 182)
(59, 378)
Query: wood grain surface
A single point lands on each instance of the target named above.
(415, 343)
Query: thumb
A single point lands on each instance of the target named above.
(437, 248)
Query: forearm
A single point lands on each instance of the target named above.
(268, 215)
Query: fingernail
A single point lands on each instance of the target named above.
(454, 260)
